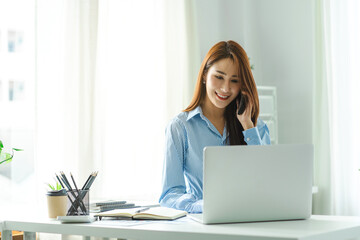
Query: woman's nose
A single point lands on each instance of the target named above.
(226, 86)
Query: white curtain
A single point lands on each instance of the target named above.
(110, 74)
(182, 54)
(133, 89)
(66, 44)
(337, 114)
(145, 76)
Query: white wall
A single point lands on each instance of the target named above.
(279, 37)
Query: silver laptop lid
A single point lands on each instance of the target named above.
(257, 183)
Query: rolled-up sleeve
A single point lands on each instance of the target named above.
(174, 193)
(258, 135)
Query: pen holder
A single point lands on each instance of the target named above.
(78, 202)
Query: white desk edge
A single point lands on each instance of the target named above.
(316, 228)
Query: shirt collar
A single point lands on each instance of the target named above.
(198, 111)
(195, 112)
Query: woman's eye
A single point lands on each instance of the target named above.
(218, 77)
(235, 81)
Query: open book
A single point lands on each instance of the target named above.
(155, 213)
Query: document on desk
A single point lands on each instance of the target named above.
(152, 213)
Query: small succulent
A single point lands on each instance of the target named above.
(54, 187)
(7, 157)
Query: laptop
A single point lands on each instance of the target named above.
(256, 183)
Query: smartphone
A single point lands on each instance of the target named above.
(242, 103)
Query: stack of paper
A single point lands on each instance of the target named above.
(110, 205)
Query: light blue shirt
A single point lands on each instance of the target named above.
(186, 136)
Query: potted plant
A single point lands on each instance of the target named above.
(4, 156)
(57, 200)
(7, 157)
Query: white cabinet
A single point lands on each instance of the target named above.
(268, 110)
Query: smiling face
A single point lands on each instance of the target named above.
(222, 84)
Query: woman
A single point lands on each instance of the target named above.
(211, 119)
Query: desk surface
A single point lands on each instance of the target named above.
(317, 227)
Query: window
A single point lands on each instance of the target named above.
(17, 76)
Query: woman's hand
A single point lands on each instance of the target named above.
(245, 117)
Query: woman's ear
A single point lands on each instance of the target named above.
(204, 78)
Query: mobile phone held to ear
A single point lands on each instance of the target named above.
(242, 103)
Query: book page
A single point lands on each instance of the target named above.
(161, 213)
(126, 212)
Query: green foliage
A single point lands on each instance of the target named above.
(6, 157)
(56, 187)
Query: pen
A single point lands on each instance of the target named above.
(72, 178)
(62, 185)
(88, 184)
(78, 197)
(87, 181)
(92, 179)
(65, 179)
(76, 203)
(142, 210)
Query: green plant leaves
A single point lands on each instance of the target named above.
(57, 187)
(18, 149)
(51, 186)
(7, 157)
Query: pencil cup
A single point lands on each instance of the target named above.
(78, 202)
(57, 203)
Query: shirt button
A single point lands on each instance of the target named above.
(248, 139)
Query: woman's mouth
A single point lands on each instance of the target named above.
(222, 97)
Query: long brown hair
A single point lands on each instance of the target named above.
(235, 52)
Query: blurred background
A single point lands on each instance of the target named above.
(91, 84)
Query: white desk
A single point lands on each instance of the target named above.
(316, 228)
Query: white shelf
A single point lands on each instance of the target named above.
(268, 110)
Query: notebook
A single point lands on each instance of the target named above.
(256, 183)
(155, 213)
(110, 203)
(119, 206)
